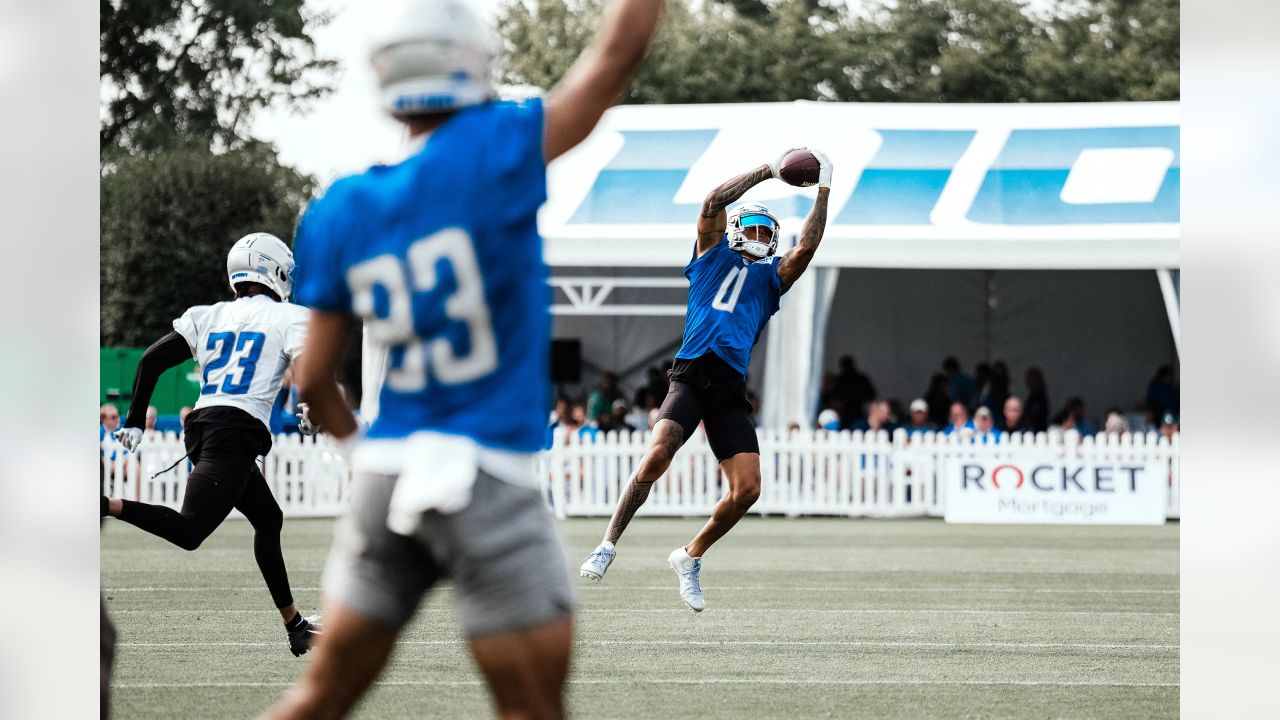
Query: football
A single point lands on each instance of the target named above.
(800, 168)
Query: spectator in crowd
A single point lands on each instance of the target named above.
(1036, 410)
(827, 399)
(559, 411)
(182, 416)
(583, 426)
(938, 398)
(853, 389)
(108, 420)
(959, 416)
(1169, 426)
(984, 430)
(654, 390)
(878, 418)
(1013, 415)
(1116, 423)
(1162, 393)
(149, 423)
(981, 382)
(919, 418)
(601, 400)
(996, 391)
(655, 414)
(1074, 409)
(108, 423)
(829, 420)
(960, 387)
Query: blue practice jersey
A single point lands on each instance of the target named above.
(440, 255)
(730, 301)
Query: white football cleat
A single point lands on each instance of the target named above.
(598, 562)
(689, 569)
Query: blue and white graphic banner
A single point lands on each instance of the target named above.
(917, 186)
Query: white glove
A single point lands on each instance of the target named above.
(129, 438)
(776, 165)
(305, 426)
(824, 174)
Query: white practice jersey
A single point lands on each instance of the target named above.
(243, 348)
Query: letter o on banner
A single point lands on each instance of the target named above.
(995, 475)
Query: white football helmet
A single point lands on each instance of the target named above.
(432, 56)
(262, 258)
(753, 215)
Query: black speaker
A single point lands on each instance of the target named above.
(566, 361)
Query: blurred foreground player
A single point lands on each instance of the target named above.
(244, 347)
(735, 282)
(439, 255)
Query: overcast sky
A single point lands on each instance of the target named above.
(347, 132)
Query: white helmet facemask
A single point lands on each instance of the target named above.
(747, 216)
(432, 56)
(262, 258)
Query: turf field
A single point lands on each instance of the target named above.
(826, 618)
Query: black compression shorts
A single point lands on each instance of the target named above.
(708, 390)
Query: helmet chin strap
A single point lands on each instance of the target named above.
(756, 248)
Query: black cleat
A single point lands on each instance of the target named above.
(302, 635)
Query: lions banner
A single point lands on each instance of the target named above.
(1026, 186)
(1059, 491)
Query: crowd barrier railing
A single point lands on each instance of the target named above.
(851, 474)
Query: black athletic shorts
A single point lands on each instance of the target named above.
(226, 441)
(708, 390)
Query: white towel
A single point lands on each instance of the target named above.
(437, 472)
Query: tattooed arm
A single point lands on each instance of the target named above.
(794, 262)
(712, 220)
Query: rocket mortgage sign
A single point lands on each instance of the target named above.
(1058, 491)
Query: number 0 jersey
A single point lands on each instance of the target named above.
(243, 348)
(441, 258)
(730, 301)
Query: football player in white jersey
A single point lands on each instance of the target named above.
(243, 347)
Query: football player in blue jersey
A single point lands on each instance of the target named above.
(735, 282)
(439, 255)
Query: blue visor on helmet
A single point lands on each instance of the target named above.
(747, 221)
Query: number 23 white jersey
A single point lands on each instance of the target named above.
(243, 348)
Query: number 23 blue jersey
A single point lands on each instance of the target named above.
(730, 301)
(440, 256)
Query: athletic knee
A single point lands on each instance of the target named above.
(191, 541)
(746, 495)
(269, 521)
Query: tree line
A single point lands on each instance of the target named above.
(181, 80)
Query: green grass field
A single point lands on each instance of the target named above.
(826, 618)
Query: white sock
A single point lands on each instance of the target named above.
(683, 555)
(606, 545)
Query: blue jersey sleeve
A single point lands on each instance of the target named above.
(318, 278)
(517, 158)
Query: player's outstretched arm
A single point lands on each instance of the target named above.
(168, 352)
(592, 85)
(316, 372)
(797, 259)
(712, 219)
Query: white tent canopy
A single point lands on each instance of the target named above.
(1046, 186)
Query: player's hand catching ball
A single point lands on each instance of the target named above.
(824, 172)
(776, 165)
(129, 438)
(305, 426)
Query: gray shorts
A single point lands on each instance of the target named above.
(501, 552)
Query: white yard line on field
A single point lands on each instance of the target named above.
(733, 643)
(693, 681)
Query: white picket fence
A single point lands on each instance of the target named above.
(802, 473)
